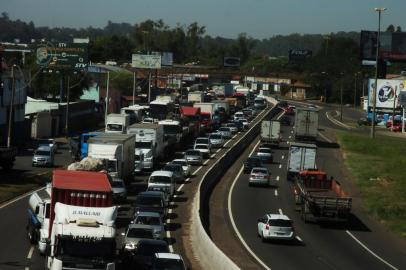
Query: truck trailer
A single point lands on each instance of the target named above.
(271, 131)
(306, 124)
(301, 157)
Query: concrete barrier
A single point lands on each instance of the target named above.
(208, 255)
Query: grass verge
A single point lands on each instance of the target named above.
(378, 166)
(12, 187)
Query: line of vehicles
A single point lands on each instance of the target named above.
(317, 197)
(73, 220)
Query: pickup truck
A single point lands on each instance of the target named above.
(321, 198)
(7, 157)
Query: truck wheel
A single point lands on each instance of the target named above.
(32, 236)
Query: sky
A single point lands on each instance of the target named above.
(226, 18)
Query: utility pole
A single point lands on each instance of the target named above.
(134, 85)
(341, 100)
(107, 98)
(67, 107)
(379, 10)
(355, 90)
(10, 116)
(149, 86)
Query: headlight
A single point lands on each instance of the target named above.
(130, 246)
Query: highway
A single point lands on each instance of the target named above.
(359, 245)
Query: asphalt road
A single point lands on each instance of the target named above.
(361, 244)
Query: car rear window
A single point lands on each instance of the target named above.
(280, 222)
(259, 171)
(139, 233)
(148, 249)
(265, 150)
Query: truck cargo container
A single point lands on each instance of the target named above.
(301, 157)
(195, 97)
(117, 123)
(320, 198)
(117, 151)
(228, 90)
(271, 131)
(306, 124)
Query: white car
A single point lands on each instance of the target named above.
(275, 226)
(233, 128)
(167, 261)
(185, 166)
(203, 140)
(194, 157)
(216, 140)
(204, 149)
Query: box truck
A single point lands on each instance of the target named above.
(301, 157)
(306, 124)
(271, 131)
(117, 123)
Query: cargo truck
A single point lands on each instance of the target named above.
(195, 97)
(117, 152)
(7, 157)
(301, 157)
(306, 124)
(82, 230)
(320, 198)
(271, 132)
(207, 111)
(117, 123)
(149, 143)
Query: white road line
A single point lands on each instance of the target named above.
(207, 161)
(218, 150)
(290, 137)
(291, 131)
(234, 136)
(277, 178)
(335, 121)
(212, 156)
(280, 166)
(280, 211)
(20, 197)
(30, 252)
(276, 192)
(26, 268)
(283, 157)
(226, 142)
(370, 251)
(198, 169)
(324, 137)
(180, 187)
(230, 213)
(298, 238)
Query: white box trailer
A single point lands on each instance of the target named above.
(306, 124)
(271, 131)
(195, 96)
(301, 157)
(206, 107)
(117, 151)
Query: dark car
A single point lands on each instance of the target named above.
(363, 121)
(239, 125)
(252, 162)
(283, 104)
(285, 121)
(151, 201)
(146, 251)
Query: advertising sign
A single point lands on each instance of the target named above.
(392, 46)
(146, 61)
(386, 92)
(299, 56)
(62, 56)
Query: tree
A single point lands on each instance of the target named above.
(398, 29)
(391, 28)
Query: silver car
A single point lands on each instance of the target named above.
(135, 233)
(259, 176)
(225, 132)
(119, 190)
(43, 156)
(194, 157)
(185, 166)
(153, 219)
(176, 169)
(233, 128)
(265, 154)
(216, 140)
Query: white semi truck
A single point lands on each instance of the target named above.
(82, 238)
(149, 142)
(117, 123)
(271, 131)
(117, 151)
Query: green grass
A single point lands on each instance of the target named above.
(379, 168)
(14, 187)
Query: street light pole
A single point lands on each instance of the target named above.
(379, 10)
(341, 100)
(107, 98)
(10, 116)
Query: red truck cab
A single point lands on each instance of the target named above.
(193, 115)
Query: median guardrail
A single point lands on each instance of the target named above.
(205, 251)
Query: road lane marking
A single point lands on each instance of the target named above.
(290, 137)
(20, 197)
(280, 211)
(291, 131)
(324, 137)
(336, 122)
(283, 156)
(276, 192)
(298, 238)
(370, 251)
(277, 178)
(280, 166)
(207, 161)
(230, 214)
(30, 252)
(198, 169)
(26, 268)
(212, 156)
(218, 150)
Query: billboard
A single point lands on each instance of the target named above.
(231, 61)
(299, 56)
(62, 56)
(167, 59)
(386, 92)
(392, 46)
(146, 61)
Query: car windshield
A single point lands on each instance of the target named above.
(160, 179)
(149, 200)
(168, 264)
(193, 153)
(224, 129)
(215, 137)
(265, 150)
(42, 153)
(254, 160)
(261, 171)
(117, 184)
(280, 222)
(151, 249)
(201, 146)
(139, 233)
(172, 168)
(180, 162)
(114, 127)
(230, 125)
(202, 140)
(143, 145)
(147, 220)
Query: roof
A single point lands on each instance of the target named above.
(145, 125)
(162, 173)
(81, 180)
(190, 110)
(278, 216)
(171, 256)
